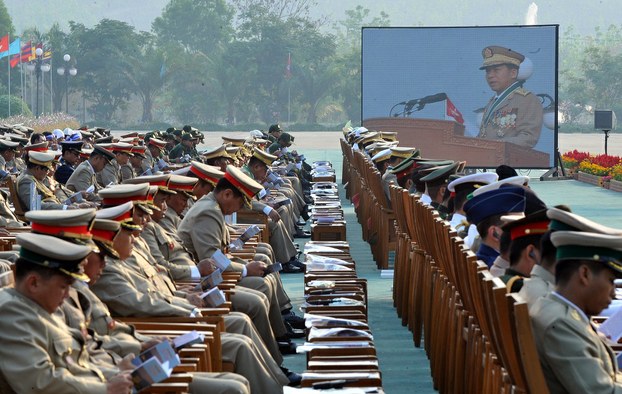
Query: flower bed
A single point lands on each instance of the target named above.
(599, 170)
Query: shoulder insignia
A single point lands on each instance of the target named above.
(575, 315)
(522, 91)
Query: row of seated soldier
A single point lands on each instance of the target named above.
(114, 228)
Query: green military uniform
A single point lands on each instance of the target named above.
(574, 358)
(516, 119)
(540, 283)
(180, 150)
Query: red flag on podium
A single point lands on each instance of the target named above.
(453, 112)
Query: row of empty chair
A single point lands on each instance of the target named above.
(477, 336)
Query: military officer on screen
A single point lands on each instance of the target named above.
(514, 114)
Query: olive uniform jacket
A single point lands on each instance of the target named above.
(518, 119)
(574, 359)
(168, 252)
(128, 294)
(48, 199)
(126, 172)
(110, 175)
(206, 215)
(39, 353)
(82, 178)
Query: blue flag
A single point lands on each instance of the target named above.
(14, 49)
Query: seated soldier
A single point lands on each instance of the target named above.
(117, 339)
(38, 164)
(525, 234)
(7, 155)
(84, 177)
(128, 293)
(485, 211)
(111, 174)
(39, 353)
(574, 357)
(69, 160)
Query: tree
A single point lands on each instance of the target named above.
(349, 61)
(150, 71)
(107, 53)
(197, 25)
(590, 77)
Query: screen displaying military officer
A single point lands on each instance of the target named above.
(514, 114)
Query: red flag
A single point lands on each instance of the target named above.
(288, 67)
(452, 111)
(4, 44)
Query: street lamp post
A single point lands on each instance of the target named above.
(66, 71)
(38, 66)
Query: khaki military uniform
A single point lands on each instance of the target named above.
(77, 311)
(540, 283)
(110, 175)
(40, 354)
(574, 359)
(518, 119)
(7, 217)
(252, 302)
(82, 178)
(206, 214)
(388, 178)
(128, 294)
(127, 172)
(48, 199)
(171, 221)
(168, 252)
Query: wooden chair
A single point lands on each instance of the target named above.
(526, 345)
(18, 208)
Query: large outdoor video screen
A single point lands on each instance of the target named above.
(487, 95)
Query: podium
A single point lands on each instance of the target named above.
(445, 139)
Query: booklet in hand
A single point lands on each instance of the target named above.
(221, 260)
(74, 198)
(154, 365)
(276, 267)
(210, 281)
(188, 339)
(213, 298)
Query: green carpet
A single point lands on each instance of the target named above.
(405, 368)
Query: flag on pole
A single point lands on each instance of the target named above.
(288, 67)
(452, 111)
(13, 49)
(27, 54)
(4, 44)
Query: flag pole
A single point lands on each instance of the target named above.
(8, 66)
(21, 79)
(289, 89)
(51, 87)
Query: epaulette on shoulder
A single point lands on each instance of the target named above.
(522, 91)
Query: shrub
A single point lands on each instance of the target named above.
(16, 106)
